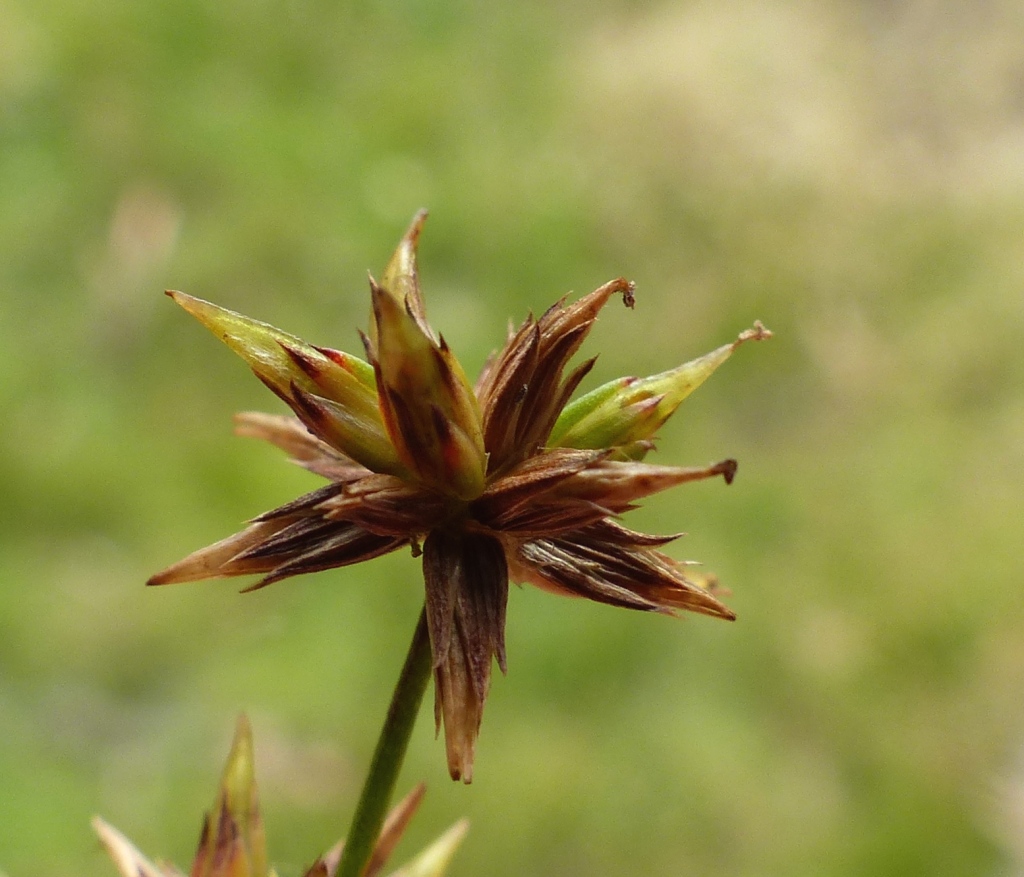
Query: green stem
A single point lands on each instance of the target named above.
(388, 757)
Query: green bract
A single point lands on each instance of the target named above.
(334, 393)
(627, 411)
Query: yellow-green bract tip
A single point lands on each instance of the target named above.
(333, 393)
(629, 410)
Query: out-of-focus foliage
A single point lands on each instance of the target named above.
(850, 173)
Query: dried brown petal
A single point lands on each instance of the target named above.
(300, 444)
(636, 578)
(526, 483)
(521, 392)
(466, 580)
(282, 545)
(616, 485)
(307, 505)
(210, 562)
(388, 506)
(551, 516)
(345, 546)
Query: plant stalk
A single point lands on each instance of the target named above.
(389, 754)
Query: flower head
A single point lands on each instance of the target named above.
(232, 842)
(507, 479)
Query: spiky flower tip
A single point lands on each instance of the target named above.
(232, 842)
(507, 479)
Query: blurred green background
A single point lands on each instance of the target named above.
(851, 173)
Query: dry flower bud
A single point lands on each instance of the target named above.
(508, 480)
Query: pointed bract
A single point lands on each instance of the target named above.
(434, 860)
(632, 409)
(298, 372)
(233, 843)
(393, 829)
(129, 861)
(428, 406)
(401, 278)
(432, 415)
